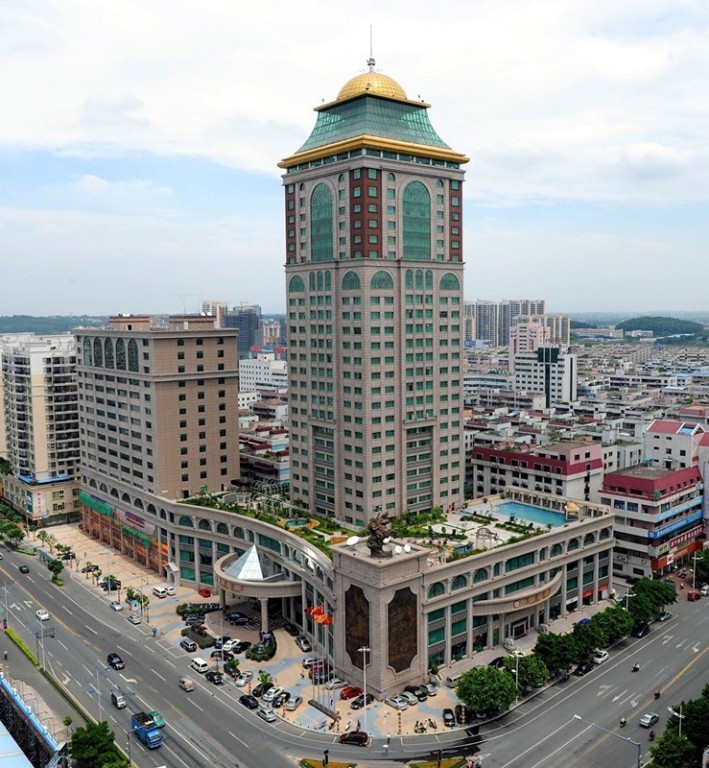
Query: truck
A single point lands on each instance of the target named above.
(145, 729)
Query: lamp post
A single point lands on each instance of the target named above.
(617, 735)
(364, 650)
(694, 573)
(627, 597)
(678, 715)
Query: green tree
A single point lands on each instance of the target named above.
(612, 624)
(532, 671)
(56, 567)
(695, 725)
(702, 566)
(649, 599)
(558, 652)
(265, 677)
(94, 746)
(672, 751)
(485, 689)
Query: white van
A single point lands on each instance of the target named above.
(704, 591)
(199, 665)
(160, 592)
(452, 680)
(118, 699)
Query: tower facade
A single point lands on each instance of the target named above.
(374, 272)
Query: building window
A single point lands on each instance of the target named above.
(321, 223)
(416, 222)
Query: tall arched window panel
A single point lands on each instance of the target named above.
(321, 245)
(416, 203)
(88, 356)
(108, 354)
(120, 354)
(133, 364)
(98, 353)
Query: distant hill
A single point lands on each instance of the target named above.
(53, 324)
(662, 326)
(579, 324)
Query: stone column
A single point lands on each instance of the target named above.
(264, 614)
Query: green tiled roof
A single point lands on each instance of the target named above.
(373, 116)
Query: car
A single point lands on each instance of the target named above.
(356, 738)
(222, 655)
(90, 568)
(281, 700)
(272, 692)
(243, 679)
(693, 596)
(115, 661)
(134, 618)
(334, 683)
(66, 556)
(309, 662)
(112, 585)
(358, 703)
(682, 573)
(188, 645)
(291, 629)
(304, 644)
(409, 698)
(186, 684)
(24, 569)
(417, 691)
(214, 676)
(116, 605)
(641, 631)
(599, 657)
(704, 591)
(431, 689)
(42, 615)
(267, 714)
(240, 646)
(448, 718)
(398, 702)
(158, 719)
(583, 668)
(648, 719)
(293, 703)
(261, 688)
(239, 621)
(350, 692)
(204, 592)
(664, 616)
(498, 662)
(228, 644)
(250, 702)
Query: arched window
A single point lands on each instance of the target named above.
(120, 354)
(436, 589)
(88, 357)
(588, 539)
(186, 521)
(222, 528)
(321, 284)
(114, 493)
(98, 353)
(429, 280)
(419, 279)
(103, 487)
(409, 279)
(296, 284)
(382, 281)
(138, 503)
(449, 282)
(391, 177)
(459, 582)
(557, 550)
(239, 533)
(125, 498)
(204, 525)
(350, 282)
(573, 544)
(108, 353)
(328, 280)
(92, 483)
(133, 355)
(605, 534)
(480, 575)
(151, 509)
(321, 223)
(341, 178)
(417, 221)
(439, 183)
(311, 281)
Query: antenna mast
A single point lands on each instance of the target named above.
(370, 60)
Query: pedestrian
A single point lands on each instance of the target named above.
(5, 655)
(388, 739)
(681, 586)
(359, 725)
(302, 675)
(386, 749)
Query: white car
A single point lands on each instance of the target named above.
(116, 605)
(293, 703)
(227, 645)
(271, 693)
(398, 702)
(42, 615)
(267, 714)
(336, 682)
(243, 680)
(599, 657)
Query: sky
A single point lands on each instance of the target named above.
(139, 144)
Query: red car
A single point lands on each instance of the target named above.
(350, 692)
(204, 592)
(692, 596)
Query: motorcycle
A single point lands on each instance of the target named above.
(652, 735)
(657, 694)
(636, 667)
(623, 722)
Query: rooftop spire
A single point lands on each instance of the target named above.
(370, 60)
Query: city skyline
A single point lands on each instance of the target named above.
(139, 146)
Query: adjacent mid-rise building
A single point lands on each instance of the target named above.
(263, 373)
(550, 370)
(526, 337)
(374, 269)
(247, 321)
(41, 426)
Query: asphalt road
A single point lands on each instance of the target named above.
(210, 728)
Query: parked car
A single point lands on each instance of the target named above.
(280, 700)
(115, 661)
(664, 616)
(186, 684)
(213, 676)
(335, 683)
(641, 631)
(498, 662)
(356, 738)
(293, 703)
(409, 698)
(261, 688)
(704, 591)
(134, 618)
(599, 657)
(448, 718)
(291, 629)
(90, 568)
(310, 661)
(417, 691)
(398, 702)
(267, 714)
(682, 573)
(583, 668)
(431, 689)
(188, 645)
(239, 646)
(42, 615)
(228, 644)
(350, 692)
(272, 692)
(648, 719)
(222, 656)
(250, 702)
(358, 703)
(693, 596)
(304, 644)
(116, 605)
(238, 620)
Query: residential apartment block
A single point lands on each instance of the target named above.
(549, 370)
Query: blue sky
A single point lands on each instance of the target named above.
(139, 143)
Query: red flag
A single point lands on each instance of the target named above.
(317, 611)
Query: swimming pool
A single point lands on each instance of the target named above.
(533, 514)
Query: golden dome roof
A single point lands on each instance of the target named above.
(376, 83)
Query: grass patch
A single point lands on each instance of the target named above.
(308, 762)
(449, 762)
(17, 640)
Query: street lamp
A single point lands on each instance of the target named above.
(677, 715)
(627, 596)
(617, 735)
(364, 650)
(694, 573)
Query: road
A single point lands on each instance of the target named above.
(210, 728)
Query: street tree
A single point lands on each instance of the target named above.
(695, 723)
(612, 624)
(672, 751)
(265, 677)
(702, 566)
(485, 689)
(56, 567)
(94, 746)
(657, 593)
(558, 652)
(532, 670)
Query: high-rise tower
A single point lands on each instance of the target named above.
(374, 270)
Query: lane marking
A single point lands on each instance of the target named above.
(233, 735)
(67, 610)
(91, 629)
(121, 648)
(160, 676)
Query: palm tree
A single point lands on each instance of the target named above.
(43, 536)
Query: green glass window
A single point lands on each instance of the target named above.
(296, 284)
(120, 354)
(132, 355)
(382, 281)
(108, 353)
(320, 281)
(321, 212)
(311, 281)
(350, 282)
(88, 357)
(449, 282)
(417, 221)
(419, 279)
(98, 353)
(410, 279)
(434, 591)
